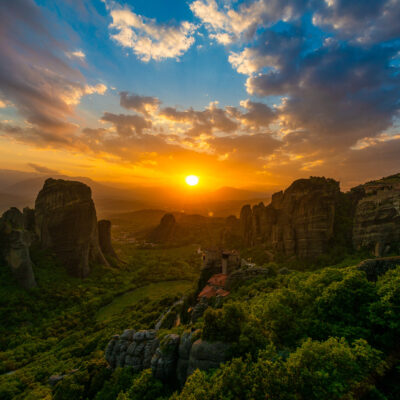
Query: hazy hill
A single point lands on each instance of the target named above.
(19, 188)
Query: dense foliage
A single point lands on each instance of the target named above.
(327, 333)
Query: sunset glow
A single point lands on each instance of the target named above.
(130, 92)
(192, 180)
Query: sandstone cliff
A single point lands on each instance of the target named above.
(377, 217)
(297, 222)
(66, 223)
(15, 240)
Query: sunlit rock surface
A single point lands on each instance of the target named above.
(297, 222)
(66, 224)
(377, 218)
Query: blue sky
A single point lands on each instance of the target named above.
(251, 93)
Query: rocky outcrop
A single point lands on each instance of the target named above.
(206, 355)
(375, 267)
(104, 227)
(66, 223)
(377, 218)
(165, 359)
(171, 360)
(165, 230)
(297, 222)
(133, 349)
(14, 247)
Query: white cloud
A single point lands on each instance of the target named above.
(76, 54)
(250, 60)
(73, 95)
(228, 24)
(150, 40)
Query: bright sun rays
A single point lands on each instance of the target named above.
(192, 180)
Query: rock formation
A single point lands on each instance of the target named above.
(165, 230)
(297, 222)
(66, 223)
(172, 359)
(377, 217)
(104, 227)
(14, 247)
(206, 355)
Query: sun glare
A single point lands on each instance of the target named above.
(192, 180)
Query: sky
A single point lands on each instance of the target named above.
(250, 94)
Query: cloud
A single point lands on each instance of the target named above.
(42, 169)
(76, 54)
(245, 148)
(359, 20)
(127, 125)
(257, 114)
(204, 122)
(334, 95)
(35, 78)
(150, 40)
(227, 24)
(143, 104)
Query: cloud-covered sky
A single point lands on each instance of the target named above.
(250, 93)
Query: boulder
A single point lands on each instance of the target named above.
(206, 355)
(104, 227)
(66, 223)
(185, 345)
(165, 359)
(14, 247)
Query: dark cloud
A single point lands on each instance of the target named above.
(127, 125)
(336, 94)
(207, 121)
(43, 169)
(362, 21)
(143, 104)
(257, 114)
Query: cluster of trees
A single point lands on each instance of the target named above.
(323, 334)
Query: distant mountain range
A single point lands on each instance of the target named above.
(20, 188)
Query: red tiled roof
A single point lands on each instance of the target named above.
(210, 291)
(218, 280)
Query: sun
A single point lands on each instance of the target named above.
(192, 180)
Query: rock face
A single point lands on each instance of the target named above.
(165, 359)
(297, 222)
(377, 218)
(206, 355)
(104, 227)
(133, 349)
(66, 223)
(14, 246)
(171, 360)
